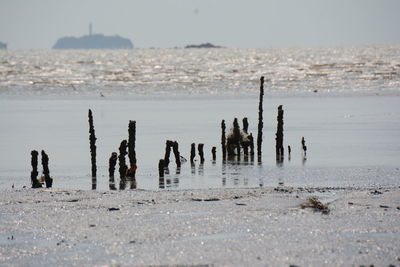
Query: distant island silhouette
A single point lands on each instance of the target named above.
(93, 41)
(205, 45)
(3, 45)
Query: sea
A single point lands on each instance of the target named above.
(345, 102)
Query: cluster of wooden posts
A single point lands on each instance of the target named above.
(232, 144)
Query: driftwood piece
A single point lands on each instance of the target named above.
(46, 172)
(260, 118)
(92, 139)
(131, 172)
(279, 136)
(34, 172)
(200, 148)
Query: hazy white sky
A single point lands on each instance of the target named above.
(26, 24)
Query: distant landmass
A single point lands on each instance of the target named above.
(205, 45)
(3, 45)
(93, 41)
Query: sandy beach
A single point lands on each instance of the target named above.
(218, 227)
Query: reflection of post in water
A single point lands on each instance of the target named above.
(193, 168)
(111, 170)
(201, 169)
(161, 181)
(223, 169)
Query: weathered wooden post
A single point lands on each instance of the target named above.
(303, 144)
(111, 169)
(34, 172)
(279, 136)
(289, 152)
(46, 171)
(214, 153)
(245, 145)
(245, 125)
(260, 119)
(131, 173)
(122, 165)
(168, 145)
(92, 139)
(200, 148)
(175, 148)
(223, 140)
(236, 136)
(192, 152)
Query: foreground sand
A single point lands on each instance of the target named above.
(238, 227)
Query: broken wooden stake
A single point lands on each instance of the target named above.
(200, 148)
(121, 158)
(223, 140)
(260, 118)
(279, 135)
(175, 148)
(111, 169)
(214, 154)
(46, 172)
(131, 172)
(168, 146)
(34, 172)
(92, 139)
(192, 152)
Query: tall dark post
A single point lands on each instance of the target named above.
(121, 158)
(161, 165)
(175, 148)
(131, 149)
(34, 172)
(111, 170)
(251, 141)
(260, 118)
(92, 139)
(168, 145)
(46, 171)
(192, 152)
(223, 140)
(289, 152)
(200, 148)
(303, 144)
(236, 136)
(245, 125)
(214, 154)
(279, 135)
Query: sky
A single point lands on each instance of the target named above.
(37, 24)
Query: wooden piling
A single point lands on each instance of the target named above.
(46, 172)
(200, 148)
(131, 173)
(175, 148)
(303, 144)
(92, 139)
(279, 136)
(260, 118)
(192, 152)
(168, 146)
(214, 153)
(223, 140)
(161, 165)
(111, 169)
(121, 158)
(289, 152)
(236, 136)
(34, 172)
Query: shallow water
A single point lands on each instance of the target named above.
(230, 71)
(352, 141)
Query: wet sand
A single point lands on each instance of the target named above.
(216, 227)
